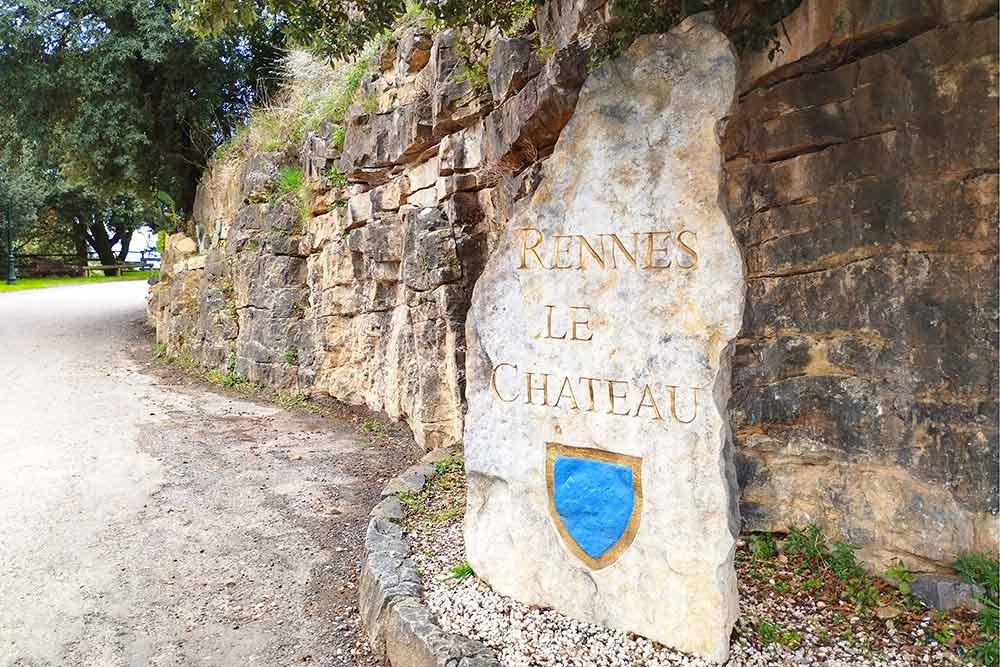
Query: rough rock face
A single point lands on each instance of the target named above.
(862, 172)
(365, 299)
(598, 366)
(861, 185)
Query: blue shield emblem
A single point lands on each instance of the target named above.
(595, 500)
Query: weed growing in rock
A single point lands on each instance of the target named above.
(461, 571)
(334, 177)
(545, 51)
(337, 138)
(291, 357)
(368, 103)
(160, 351)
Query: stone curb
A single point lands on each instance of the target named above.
(401, 630)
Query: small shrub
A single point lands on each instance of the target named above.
(449, 464)
(545, 50)
(291, 357)
(338, 137)
(767, 632)
(290, 180)
(900, 575)
(843, 562)
(473, 67)
(763, 547)
(461, 571)
(374, 427)
(160, 351)
(335, 178)
(979, 569)
(808, 542)
(790, 639)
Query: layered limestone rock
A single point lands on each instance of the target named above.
(598, 366)
(364, 299)
(861, 180)
(862, 171)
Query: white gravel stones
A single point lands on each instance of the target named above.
(525, 636)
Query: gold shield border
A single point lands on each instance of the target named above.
(555, 449)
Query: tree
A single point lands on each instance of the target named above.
(340, 28)
(122, 101)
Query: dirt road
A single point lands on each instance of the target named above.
(150, 519)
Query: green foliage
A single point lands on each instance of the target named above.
(979, 569)
(290, 180)
(335, 178)
(368, 103)
(119, 100)
(808, 542)
(843, 562)
(545, 50)
(473, 65)
(337, 138)
(461, 571)
(291, 187)
(291, 400)
(763, 547)
(291, 357)
(375, 427)
(312, 93)
(450, 464)
(984, 570)
(338, 28)
(767, 632)
(159, 351)
(749, 25)
(414, 502)
(899, 574)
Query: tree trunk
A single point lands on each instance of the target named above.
(126, 240)
(102, 245)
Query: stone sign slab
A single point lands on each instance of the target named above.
(598, 362)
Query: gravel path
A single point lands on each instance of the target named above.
(150, 519)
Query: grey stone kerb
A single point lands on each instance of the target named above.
(400, 628)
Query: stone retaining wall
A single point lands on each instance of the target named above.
(861, 185)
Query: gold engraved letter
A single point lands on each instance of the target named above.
(544, 388)
(558, 250)
(616, 242)
(583, 323)
(525, 248)
(548, 324)
(493, 383)
(612, 396)
(585, 245)
(567, 390)
(652, 249)
(687, 250)
(590, 392)
(651, 403)
(673, 404)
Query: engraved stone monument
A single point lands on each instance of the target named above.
(598, 365)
